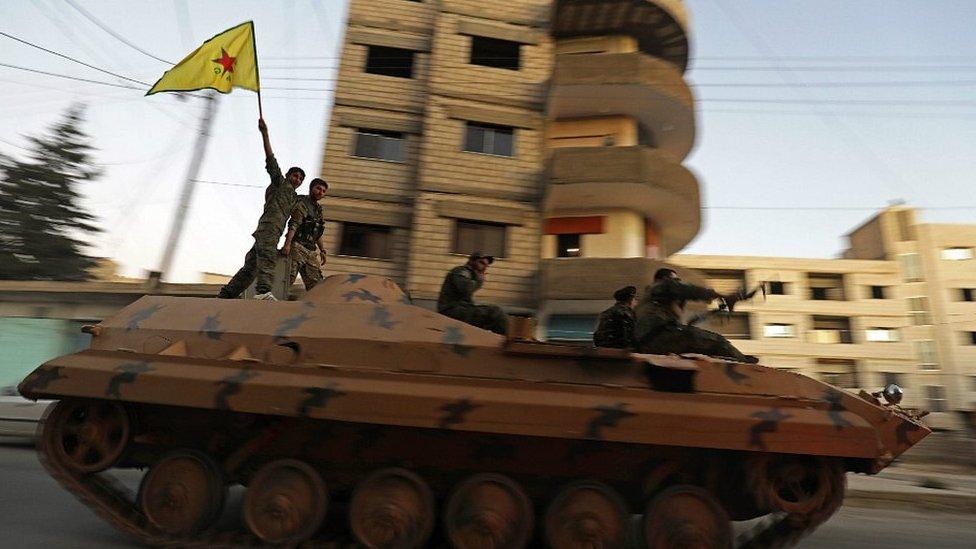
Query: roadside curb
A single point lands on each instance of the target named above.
(951, 501)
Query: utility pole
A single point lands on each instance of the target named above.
(179, 218)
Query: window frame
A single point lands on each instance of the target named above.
(877, 291)
(940, 398)
(385, 229)
(790, 333)
(946, 254)
(488, 136)
(873, 335)
(495, 43)
(559, 245)
(371, 48)
(773, 286)
(456, 244)
(922, 349)
(382, 134)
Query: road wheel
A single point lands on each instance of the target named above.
(587, 514)
(392, 509)
(285, 502)
(182, 493)
(488, 511)
(87, 436)
(686, 516)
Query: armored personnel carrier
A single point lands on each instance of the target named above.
(352, 416)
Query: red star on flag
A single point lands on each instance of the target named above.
(226, 61)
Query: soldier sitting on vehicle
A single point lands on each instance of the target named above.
(659, 328)
(456, 297)
(615, 327)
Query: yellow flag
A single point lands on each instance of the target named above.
(226, 61)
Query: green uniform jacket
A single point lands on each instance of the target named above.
(656, 312)
(459, 287)
(615, 327)
(307, 222)
(278, 200)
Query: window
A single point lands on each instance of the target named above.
(734, 326)
(379, 144)
(568, 245)
(489, 139)
(839, 372)
(831, 329)
(777, 288)
(886, 335)
(957, 254)
(826, 286)
(928, 358)
(495, 52)
(878, 292)
(779, 330)
(726, 281)
(571, 328)
(472, 236)
(389, 61)
(936, 398)
(910, 267)
(967, 294)
(362, 240)
(970, 338)
(918, 309)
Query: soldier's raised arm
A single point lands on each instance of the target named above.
(463, 281)
(684, 291)
(263, 128)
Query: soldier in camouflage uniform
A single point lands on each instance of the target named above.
(616, 325)
(279, 197)
(305, 231)
(659, 329)
(456, 297)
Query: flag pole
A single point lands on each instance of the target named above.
(257, 71)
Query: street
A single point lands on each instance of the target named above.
(37, 513)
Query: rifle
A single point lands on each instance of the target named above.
(726, 304)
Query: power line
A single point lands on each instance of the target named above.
(72, 59)
(87, 15)
(77, 78)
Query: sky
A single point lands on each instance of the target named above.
(812, 114)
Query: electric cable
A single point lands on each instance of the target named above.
(87, 15)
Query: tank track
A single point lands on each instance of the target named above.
(112, 501)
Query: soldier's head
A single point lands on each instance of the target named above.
(479, 261)
(664, 273)
(295, 176)
(626, 295)
(317, 189)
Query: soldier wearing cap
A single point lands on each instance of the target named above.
(456, 299)
(306, 229)
(615, 327)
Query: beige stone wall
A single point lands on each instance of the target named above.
(417, 17)
(511, 279)
(445, 167)
(368, 177)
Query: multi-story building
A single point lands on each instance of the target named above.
(551, 135)
(528, 129)
(899, 307)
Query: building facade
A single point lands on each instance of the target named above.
(898, 307)
(528, 129)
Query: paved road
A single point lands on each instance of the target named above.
(36, 514)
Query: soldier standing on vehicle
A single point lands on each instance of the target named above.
(660, 330)
(615, 327)
(456, 297)
(306, 230)
(279, 197)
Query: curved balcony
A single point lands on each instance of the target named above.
(632, 84)
(582, 278)
(659, 26)
(634, 178)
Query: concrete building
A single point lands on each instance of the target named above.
(900, 306)
(536, 131)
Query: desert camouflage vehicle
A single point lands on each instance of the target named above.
(354, 415)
